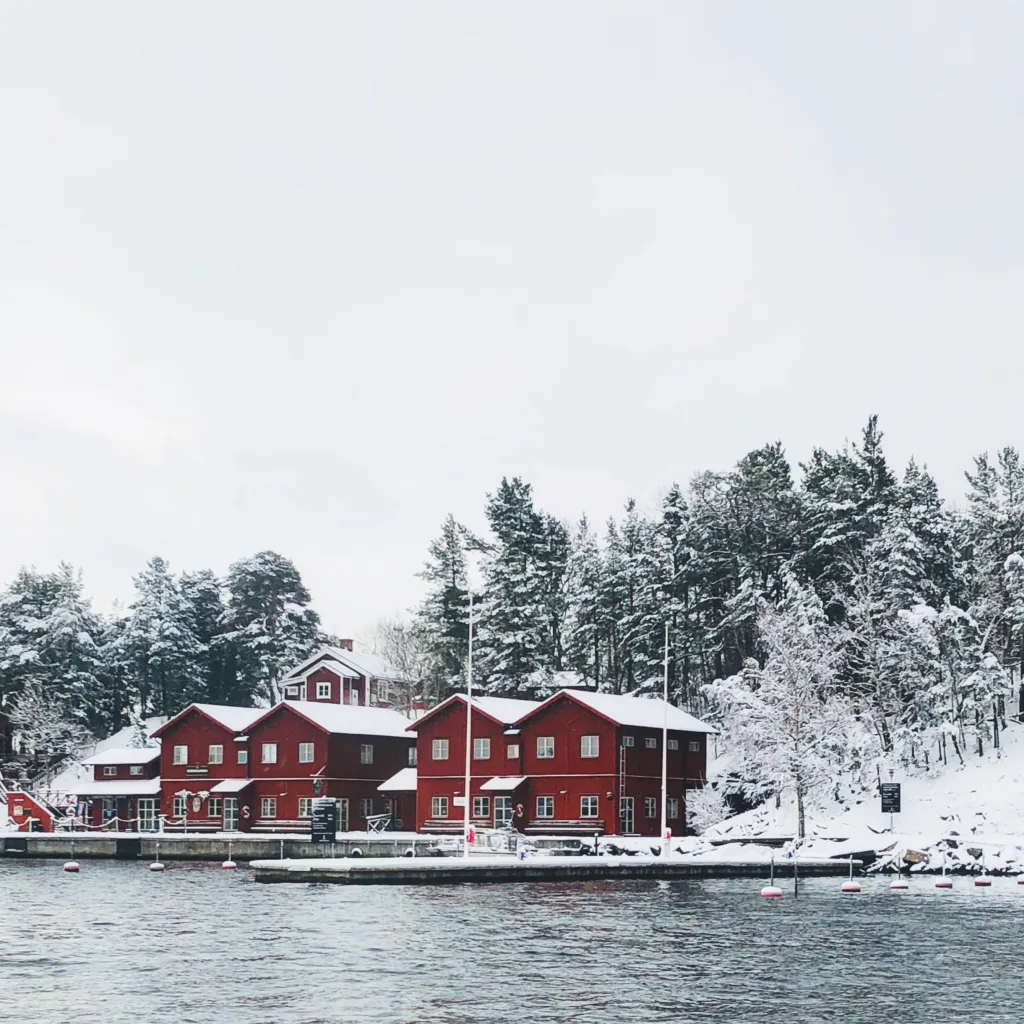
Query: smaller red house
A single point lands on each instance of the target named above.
(340, 675)
(124, 793)
(29, 813)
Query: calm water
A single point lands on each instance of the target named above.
(120, 945)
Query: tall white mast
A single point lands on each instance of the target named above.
(664, 757)
(469, 729)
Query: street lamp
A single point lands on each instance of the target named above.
(469, 731)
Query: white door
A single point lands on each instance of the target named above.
(231, 814)
(502, 811)
(343, 815)
(626, 816)
(147, 814)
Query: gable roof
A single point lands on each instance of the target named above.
(638, 712)
(370, 665)
(346, 719)
(501, 710)
(125, 755)
(231, 718)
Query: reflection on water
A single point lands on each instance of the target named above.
(120, 945)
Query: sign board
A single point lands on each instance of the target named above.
(458, 801)
(323, 826)
(196, 769)
(890, 797)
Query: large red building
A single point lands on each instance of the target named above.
(579, 762)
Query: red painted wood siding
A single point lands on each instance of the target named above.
(21, 808)
(123, 771)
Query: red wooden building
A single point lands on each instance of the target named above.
(303, 750)
(29, 813)
(124, 793)
(339, 675)
(496, 763)
(204, 768)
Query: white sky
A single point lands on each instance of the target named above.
(310, 276)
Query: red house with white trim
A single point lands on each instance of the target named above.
(304, 750)
(339, 675)
(124, 794)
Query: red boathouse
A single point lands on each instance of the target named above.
(124, 794)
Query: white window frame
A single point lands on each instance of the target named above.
(587, 804)
(672, 808)
(179, 807)
(291, 692)
(366, 753)
(323, 691)
(215, 755)
(627, 741)
(439, 750)
(673, 744)
(306, 807)
(651, 742)
(268, 753)
(413, 757)
(590, 746)
(439, 807)
(548, 803)
(694, 746)
(512, 751)
(650, 807)
(481, 807)
(365, 807)
(135, 769)
(268, 807)
(215, 807)
(545, 748)
(307, 753)
(481, 748)
(110, 769)
(243, 756)
(180, 754)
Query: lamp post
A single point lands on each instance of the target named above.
(666, 837)
(469, 730)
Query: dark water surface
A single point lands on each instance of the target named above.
(119, 945)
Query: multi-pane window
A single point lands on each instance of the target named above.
(135, 769)
(512, 750)
(589, 746)
(412, 757)
(270, 753)
(672, 807)
(323, 691)
(481, 748)
(651, 742)
(365, 808)
(366, 753)
(180, 807)
(588, 806)
(545, 807)
(181, 755)
(439, 750)
(673, 744)
(110, 769)
(213, 807)
(627, 741)
(305, 753)
(502, 811)
(481, 806)
(545, 747)
(268, 807)
(650, 807)
(439, 805)
(305, 807)
(216, 755)
(243, 756)
(694, 746)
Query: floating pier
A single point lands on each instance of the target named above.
(450, 870)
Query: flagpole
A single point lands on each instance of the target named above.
(666, 842)
(469, 729)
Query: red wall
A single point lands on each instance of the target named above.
(18, 801)
(149, 771)
(339, 687)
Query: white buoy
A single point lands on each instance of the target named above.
(851, 884)
(156, 865)
(983, 881)
(229, 864)
(1020, 880)
(944, 882)
(899, 883)
(71, 866)
(771, 891)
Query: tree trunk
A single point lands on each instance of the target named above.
(799, 810)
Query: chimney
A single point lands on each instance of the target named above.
(345, 645)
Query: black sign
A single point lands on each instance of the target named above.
(890, 797)
(324, 824)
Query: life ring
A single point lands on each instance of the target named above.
(197, 804)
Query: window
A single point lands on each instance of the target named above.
(305, 753)
(651, 742)
(305, 807)
(502, 811)
(291, 691)
(588, 806)
(545, 747)
(673, 744)
(481, 749)
(650, 807)
(216, 754)
(268, 807)
(439, 804)
(178, 810)
(589, 746)
(481, 806)
(243, 756)
(353, 695)
(365, 808)
(672, 806)
(545, 807)
(323, 691)
(627, 741)
(213, 807)
(270, 753)
(512, 750)
(366, 753)
(439, 751)
(181, 755)
(694, 746)
(135, 769)
(413, 756)
(110, 769)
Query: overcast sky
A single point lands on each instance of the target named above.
(310, 276)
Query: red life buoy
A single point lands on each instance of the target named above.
(471, 835)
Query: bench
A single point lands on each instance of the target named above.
(561, 826)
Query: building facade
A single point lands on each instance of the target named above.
(124, 793)
(339, 675)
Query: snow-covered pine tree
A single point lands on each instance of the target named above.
(584, 639)
(202, 593)
(268, 622)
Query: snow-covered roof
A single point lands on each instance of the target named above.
(352, 719)
(639, 712)
(125, 755)
(232, 718)
(331, 664)
(369, 665)
(503, 710)
(504, 783)
(231, 785)
(403, 781)
(128, 787)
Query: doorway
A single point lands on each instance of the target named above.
(626, 816)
